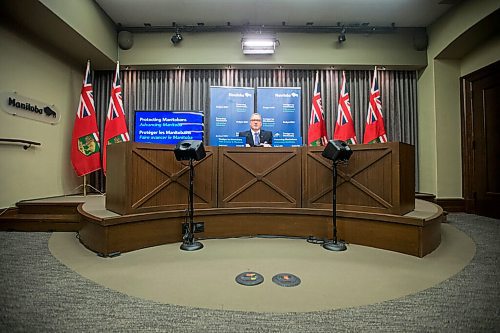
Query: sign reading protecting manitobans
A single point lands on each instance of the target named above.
(26, 107)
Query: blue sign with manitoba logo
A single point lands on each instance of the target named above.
(280, 109)
(230, 111)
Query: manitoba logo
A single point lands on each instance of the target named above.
(116, 139)
(88, 144)
(49, 112)
(26, 107)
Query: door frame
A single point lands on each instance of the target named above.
(468, 135)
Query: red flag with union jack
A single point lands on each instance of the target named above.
(316, 135)
(115, 130)
(344, 127)
(375, 129)
(85, 147)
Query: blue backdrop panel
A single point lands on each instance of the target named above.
(230, 111)
(280, 110)
(167, 127)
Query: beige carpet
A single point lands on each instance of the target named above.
(206, 278)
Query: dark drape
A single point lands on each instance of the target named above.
(188, 89)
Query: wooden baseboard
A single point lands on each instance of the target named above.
(452, 205)
(425, 196)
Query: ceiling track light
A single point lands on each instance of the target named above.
(342, 37)
(309, 27)
(176, 37)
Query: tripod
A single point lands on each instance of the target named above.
(85, 185)
(189, 243)
(334, 245)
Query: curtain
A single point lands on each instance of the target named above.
(189, 89)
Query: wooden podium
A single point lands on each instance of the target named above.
(270, 191)
(379, 178)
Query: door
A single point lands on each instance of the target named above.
(481, 141)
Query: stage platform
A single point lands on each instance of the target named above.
(416, 233)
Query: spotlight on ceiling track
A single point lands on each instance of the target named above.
(176, 38)
(342, 36)
(259, 43)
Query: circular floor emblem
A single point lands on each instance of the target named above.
(286, 280)
(249, 278)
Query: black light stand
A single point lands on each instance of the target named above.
(334, 245)
(189, 243)
(336, 151)
(190, 150)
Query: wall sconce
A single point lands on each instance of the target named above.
(259, 44)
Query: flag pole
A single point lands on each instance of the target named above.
(85, 185)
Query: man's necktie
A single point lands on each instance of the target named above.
(256, 139)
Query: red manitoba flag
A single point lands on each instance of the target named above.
(85, 147)
(316, 134)
(344, 127)
(115, 130)
(375, 129)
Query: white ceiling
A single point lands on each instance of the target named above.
(404, 13)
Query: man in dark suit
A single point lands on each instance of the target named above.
(256, 136)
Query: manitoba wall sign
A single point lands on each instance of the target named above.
(22, 106)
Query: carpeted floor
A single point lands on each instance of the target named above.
(39, 293)
(206, 278)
